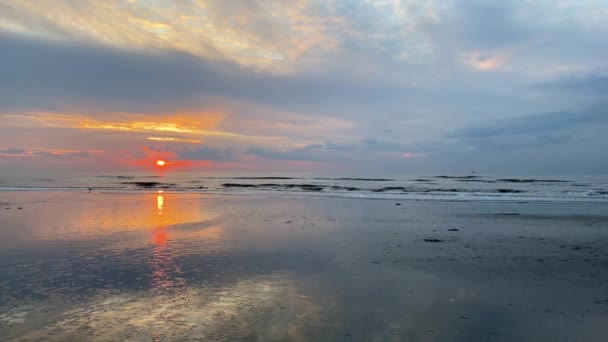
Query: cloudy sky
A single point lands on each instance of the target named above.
(308, 86)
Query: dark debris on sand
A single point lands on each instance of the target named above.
(509, 191)
(514, 180)
(305, 187)
(390, 188)
(367, 179)
(457, 177)
(146, 184)
(237, 185)
(347, 188)
(264, 178)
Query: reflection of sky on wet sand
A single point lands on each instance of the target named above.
(160, 300)
(106, 219)
(166, 273)
(174, 266)
(268, 307)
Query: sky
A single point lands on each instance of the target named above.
(304, 86)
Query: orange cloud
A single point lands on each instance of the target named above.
(187, 127)
(179, 123)
(173, 139)
(196, 27)
(411, 155)
(484, 61)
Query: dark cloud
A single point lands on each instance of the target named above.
(594, 82)
(19, 151)
(376, 144)
(206, 153)
(331, 146)
(546, 143)
(367, 149)
(13, 151)
(307, 153)
(497, 144)
(537, 124)
(329, 152)
(41, 75)
(486, 24)
(77, 154)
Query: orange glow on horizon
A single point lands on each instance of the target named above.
(160, 163)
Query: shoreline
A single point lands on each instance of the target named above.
(387, 196)
(433, 188)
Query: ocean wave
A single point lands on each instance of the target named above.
(446, 187)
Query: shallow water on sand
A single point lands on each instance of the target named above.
(144, 266)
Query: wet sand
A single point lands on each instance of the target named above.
(147, 266)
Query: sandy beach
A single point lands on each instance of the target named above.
(80, 266)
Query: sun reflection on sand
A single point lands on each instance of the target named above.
(160, 204)
(191, 284)
(165, 271)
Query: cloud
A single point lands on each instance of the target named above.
(206, 153)
(544, 143)
(368, 149)
(483, 61)
(489, 25)
(13, 151)
(53, 153)
(596, 82)
(537, 124)
(51, 76)
(253, 38)
(315, 152)
(478, 25)
(376, 144)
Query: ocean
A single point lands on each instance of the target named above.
(473, 187)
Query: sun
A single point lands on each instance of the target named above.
(160, 162)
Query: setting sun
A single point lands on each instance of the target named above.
(160, 162)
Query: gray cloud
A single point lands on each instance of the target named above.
(307, 153)
(48, 76)
(594, 82)
(376, 144)
(13, 151)
(557, 142)
(206, 153)
(78, 154)
(487, 25)
(368, 148)
(20, 151)
(537, 124)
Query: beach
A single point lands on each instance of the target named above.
(162, 265)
